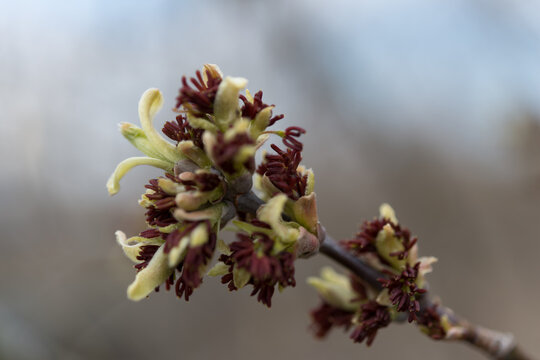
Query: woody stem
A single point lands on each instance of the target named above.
(494, 344)
(335, 252)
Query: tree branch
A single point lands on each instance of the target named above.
(494, 344)
(335, 252)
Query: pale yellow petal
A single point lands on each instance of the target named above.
(249, 97)
(132, 246)
(310, 182)
(387, 243)
(177, 253)
(219, 269)
(271, 212)
(261, 139)
(150, 103)
(212, 213)
(150, 277)
(335, 289)
(170, 187)
(200, 123)
(113, 184)
(213, 69)
(136, 136)
(199, 236)
(240, 277)
(226, 106)
(260, 123)
(384, 298)
(223, 248)
(194, 153)
(250, 228)
(387, 212)
(305, 212)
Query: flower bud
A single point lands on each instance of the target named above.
(335, 289)
(387, 243)
(226, 107)
(194, 153)
(305, 212)
(270, 213)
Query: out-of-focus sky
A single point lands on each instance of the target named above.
(433, 106)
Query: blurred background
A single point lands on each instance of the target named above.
(432, 106)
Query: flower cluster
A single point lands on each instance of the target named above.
(432, 324)
(251, 260)
(403, 290)
(391, 249)
(208, 167)
(373, 316)
(209, 177)
(347, 302)
(264, 254)
(282, 169)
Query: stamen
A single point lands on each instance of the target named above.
(182, 131)
(250, 110)
(201, 99)
(373, 317)
(326, 316)
(254, 254)
(403, 290)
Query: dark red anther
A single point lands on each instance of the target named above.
(254, 254)
(182, 131)
(281, 169)
(201, 98)
(372, 318)
(430, 319)
(289, 139)
(250, 110)
(150, 233)
(173, 239)
(145, 255)
(224, 152)
(403, 291)
(326, 317)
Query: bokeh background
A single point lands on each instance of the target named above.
(432, 106)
